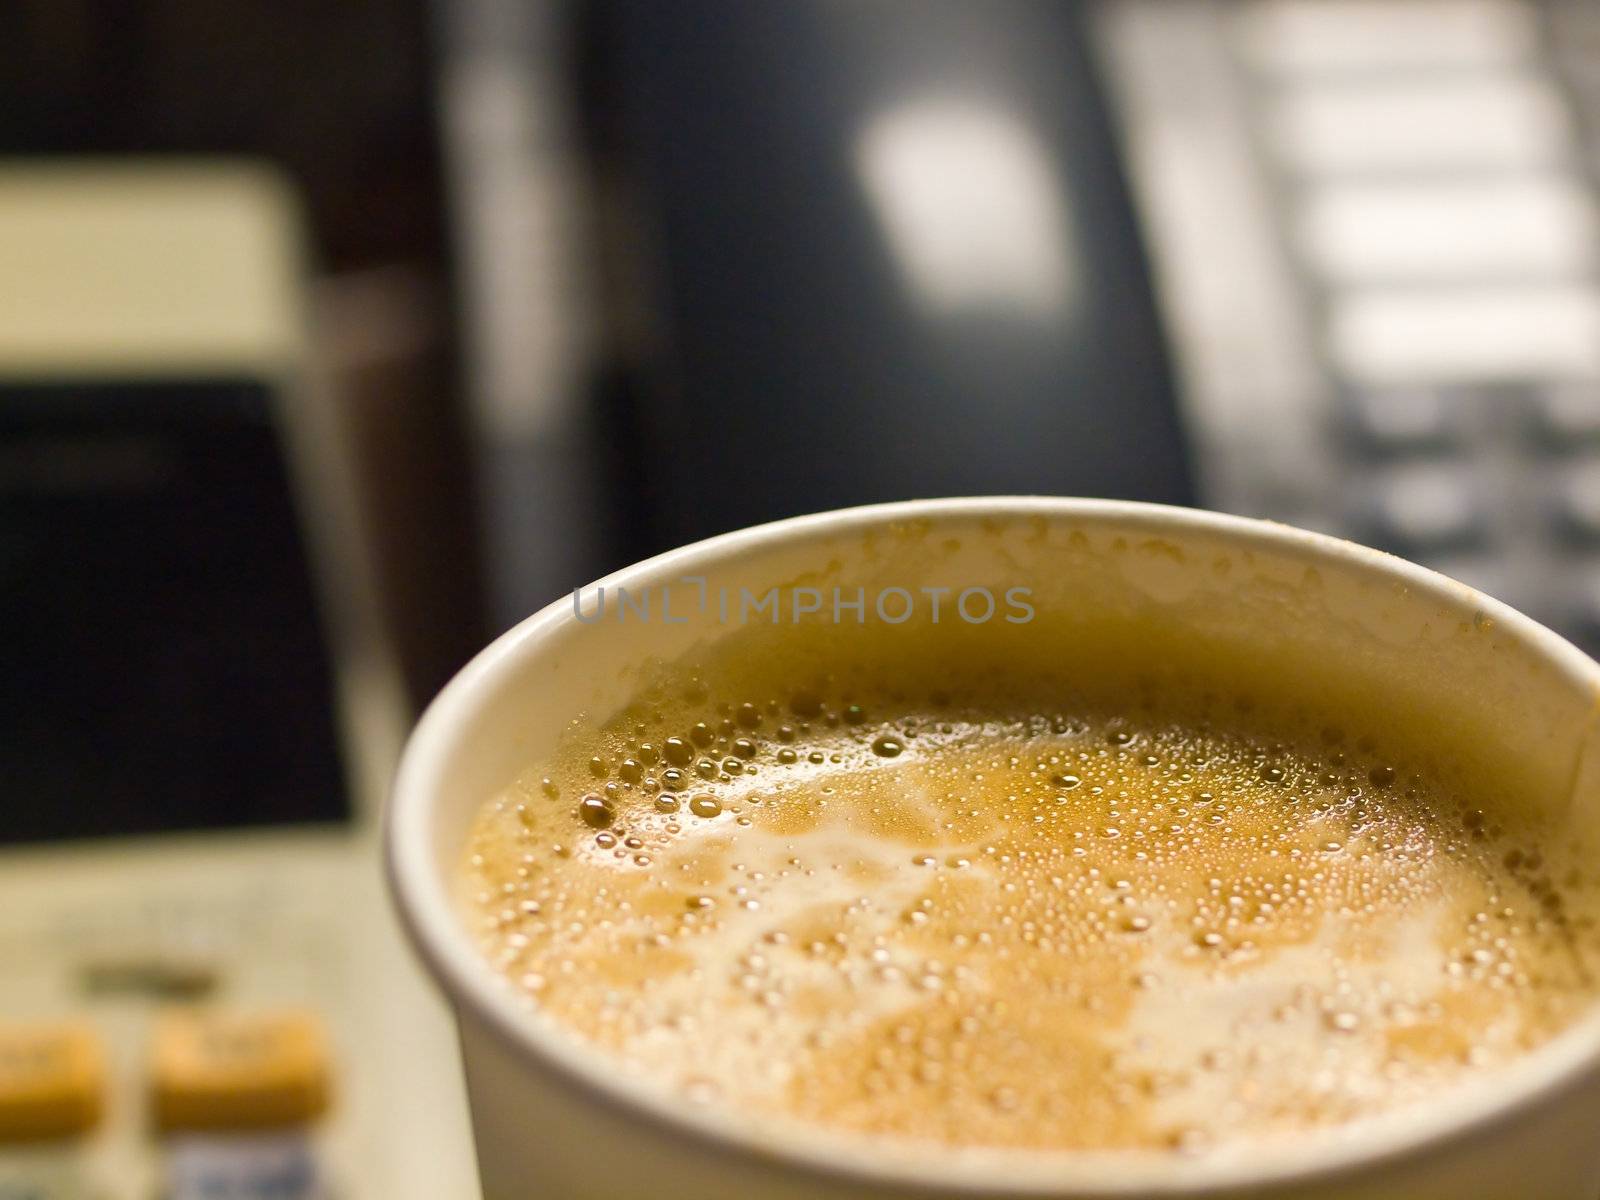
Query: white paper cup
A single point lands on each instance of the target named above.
(553, 1120)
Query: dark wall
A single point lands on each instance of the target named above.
(783, 366)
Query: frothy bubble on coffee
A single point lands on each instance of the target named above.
(1054, 908)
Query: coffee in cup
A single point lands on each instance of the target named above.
(1041, 889)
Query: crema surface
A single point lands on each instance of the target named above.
(1004, 915)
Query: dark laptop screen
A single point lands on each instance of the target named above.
(162, 666)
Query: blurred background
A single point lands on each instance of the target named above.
(335, 339)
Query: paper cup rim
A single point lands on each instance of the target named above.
(428, 911)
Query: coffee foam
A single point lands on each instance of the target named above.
(984, 908)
